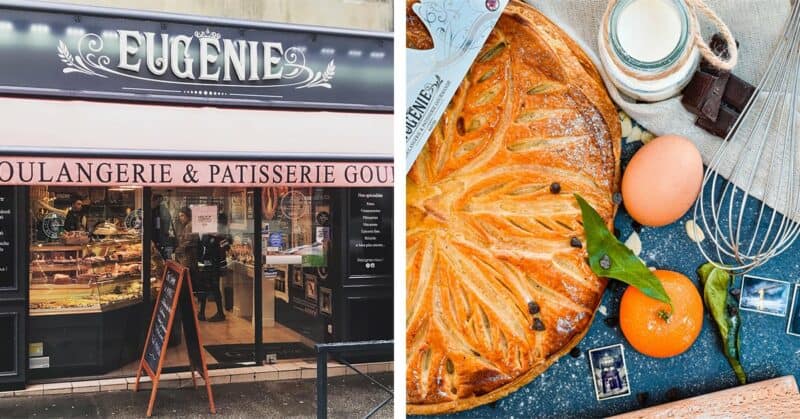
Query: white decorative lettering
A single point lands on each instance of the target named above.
(127, 49)
(232, 58)
(270, 61)
(178, 42)
(206, 58)
(157, 65)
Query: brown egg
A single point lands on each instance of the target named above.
(662, 180)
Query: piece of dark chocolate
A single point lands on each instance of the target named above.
(694, 94)
(737, 93)
(721, 127)
(713, 100)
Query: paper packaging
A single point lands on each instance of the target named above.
(459, 29)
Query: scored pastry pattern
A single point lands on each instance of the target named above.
(498, 286)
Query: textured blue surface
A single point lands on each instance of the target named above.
(566, 389)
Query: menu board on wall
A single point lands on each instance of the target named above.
(7, 235)
(370, 231)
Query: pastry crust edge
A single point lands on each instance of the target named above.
(499, 393)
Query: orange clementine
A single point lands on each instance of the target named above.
(652, 328)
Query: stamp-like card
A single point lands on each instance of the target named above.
(765, 295)
(793, 327)
(609, 372)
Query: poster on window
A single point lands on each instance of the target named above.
(204, 219)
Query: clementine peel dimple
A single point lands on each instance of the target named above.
(654, 329)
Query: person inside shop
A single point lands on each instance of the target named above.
(75, 220)
(187, 248)
(213, 257)
(162, 221)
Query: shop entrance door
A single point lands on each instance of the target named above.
(13, 289)
(210, 231)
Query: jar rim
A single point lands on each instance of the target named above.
(649, 66)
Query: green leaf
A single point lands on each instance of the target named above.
(716, 282)
(732, 349)
(624, 265)
(715, 294)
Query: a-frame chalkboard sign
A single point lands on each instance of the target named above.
(175, 296)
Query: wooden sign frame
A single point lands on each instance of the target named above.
(183, 281)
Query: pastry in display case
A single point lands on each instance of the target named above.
(96, 276)
(86, 255)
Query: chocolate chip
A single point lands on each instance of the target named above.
(636, 226)
(617, 198)
(733, 310)
(533, 308)
(735, 292)
(538, 325)
(611, 321)
(642, 398)
(575, 242)
(605, 262)
(555, 188)
(575, 352)
(673, 394)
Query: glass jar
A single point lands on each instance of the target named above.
(647, 47)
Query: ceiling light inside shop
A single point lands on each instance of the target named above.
(6, 26)
(327, 51)
(377, 54)
(110, 34)
(40, 28)
(354, 53)
(75, 31)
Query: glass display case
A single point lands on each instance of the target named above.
(86, 258)
(85, 278)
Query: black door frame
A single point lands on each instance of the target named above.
(14, 299)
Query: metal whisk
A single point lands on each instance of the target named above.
(758, 160)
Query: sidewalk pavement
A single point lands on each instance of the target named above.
(348, 396)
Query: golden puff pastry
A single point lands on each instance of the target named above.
(498, 287)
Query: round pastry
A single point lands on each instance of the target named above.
(497, 279)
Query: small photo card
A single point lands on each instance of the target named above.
(764, 295)
(609, 373)
(793, 328)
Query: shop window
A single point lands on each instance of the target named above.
(86, 249)
(296, 237)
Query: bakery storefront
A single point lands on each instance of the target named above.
(258, 155)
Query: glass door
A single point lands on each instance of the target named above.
(210, 231)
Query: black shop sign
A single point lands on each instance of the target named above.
(69, 51)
